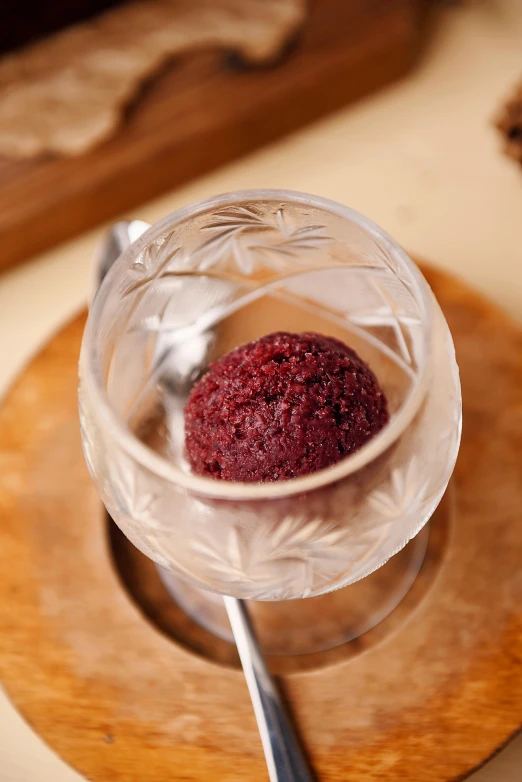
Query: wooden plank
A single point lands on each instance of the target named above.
(204, 111)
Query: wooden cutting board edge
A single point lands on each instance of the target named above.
(44, 202)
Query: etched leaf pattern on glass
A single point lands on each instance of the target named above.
(256, 238)
(133, 495)
(87, 432)
(294, 548)
(298, 553)
(250, 238)
(403, 495)
(389, 314)
(305, 548)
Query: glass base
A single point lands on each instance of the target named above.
(317, 623)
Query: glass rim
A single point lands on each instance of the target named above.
(92, 377)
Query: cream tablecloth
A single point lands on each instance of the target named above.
(421, 159)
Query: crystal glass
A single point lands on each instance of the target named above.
(221, 273)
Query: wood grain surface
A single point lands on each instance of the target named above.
(68, 93)
(202, 111)
(437, 693)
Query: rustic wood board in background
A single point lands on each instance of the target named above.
(434, 691)
(203, 111)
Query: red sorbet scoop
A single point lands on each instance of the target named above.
(282, 406)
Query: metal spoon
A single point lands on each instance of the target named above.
(284, 757)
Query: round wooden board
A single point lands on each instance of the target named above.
(436, 692)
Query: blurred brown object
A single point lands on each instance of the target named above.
(66, 94)
(197, 113)
(509, 122)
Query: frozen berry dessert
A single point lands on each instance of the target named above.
(282, 406)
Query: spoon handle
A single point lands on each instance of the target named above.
(284, 758)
